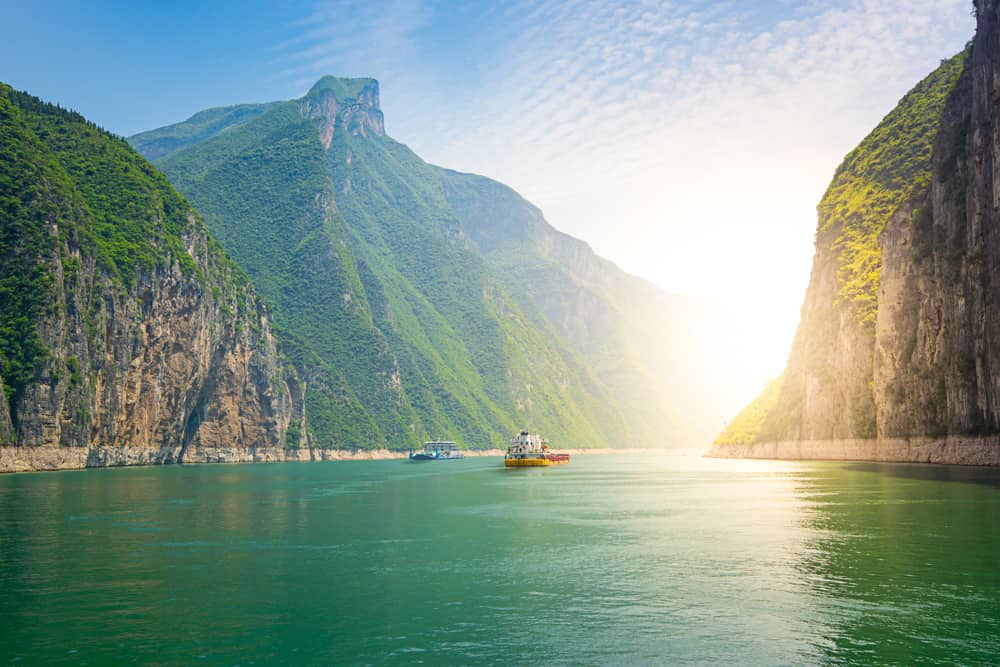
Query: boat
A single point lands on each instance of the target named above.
(437, 450)
(531, 450)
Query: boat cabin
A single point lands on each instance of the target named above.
(440, 446)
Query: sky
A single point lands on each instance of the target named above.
(688, 142)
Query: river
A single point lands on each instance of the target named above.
(635, 559)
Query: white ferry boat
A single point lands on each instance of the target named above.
(438, 450)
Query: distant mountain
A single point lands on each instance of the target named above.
(122, 323)
(418, 302)
(896, 353)
(197, 128)
(647, 347)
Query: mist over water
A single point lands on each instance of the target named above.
(632, 559)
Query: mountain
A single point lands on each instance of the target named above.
(651, 349)
(418, 301)
(895, 354)
(202, 125)
(126, 334)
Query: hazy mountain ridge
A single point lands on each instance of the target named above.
(898, 327)
(203, 125)
(646, 345)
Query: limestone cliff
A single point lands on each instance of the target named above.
(122, 323)
(351, 104)
(900, 327)
(937, 348)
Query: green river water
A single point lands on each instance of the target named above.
(630, 560)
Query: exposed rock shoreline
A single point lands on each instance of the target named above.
(32, 459)
(25, 459)
(951, 450)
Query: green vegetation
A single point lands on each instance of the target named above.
(747, 425)
(874, 179)
(26, 282)
(398, 328)
(82, 212)
(265, 193)
(117, 190)
(199, 127)
(636, 341)
(73, 366)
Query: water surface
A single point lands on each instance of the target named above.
(640, 559)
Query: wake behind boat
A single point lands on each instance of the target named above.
(437, 450)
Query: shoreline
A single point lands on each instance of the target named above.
(947, 450)
(41, 459)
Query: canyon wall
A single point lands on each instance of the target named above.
(898, 348)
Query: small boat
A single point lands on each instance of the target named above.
(437, 450)
(531, 450)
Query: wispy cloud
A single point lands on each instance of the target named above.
(352, 38)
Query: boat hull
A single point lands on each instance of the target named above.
(537, 462)
(526, 463)
(530, 450)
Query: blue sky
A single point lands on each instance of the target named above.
(689, 142)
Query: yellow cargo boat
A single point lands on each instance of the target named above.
(529, 450)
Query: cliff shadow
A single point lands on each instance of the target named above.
(933, 472)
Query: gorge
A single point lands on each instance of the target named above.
(409, 301)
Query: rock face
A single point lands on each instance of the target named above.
(123, 323)
(937, 361)
(351, 104)
(953, 450)
(24, 459)
(900, 332)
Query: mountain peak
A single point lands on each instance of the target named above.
(351, 104)
(347, 91)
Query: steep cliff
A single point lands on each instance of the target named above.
(122, 323)
(937, 352)
(899, 327)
